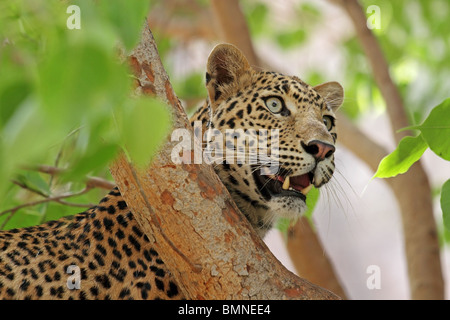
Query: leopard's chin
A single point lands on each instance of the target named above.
(289, 207)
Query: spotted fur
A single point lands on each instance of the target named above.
(238, 97)
(115, 258)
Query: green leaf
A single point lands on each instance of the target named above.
(311, 201)
(257, 14)
(98, 155)
(26, 218)
(445, 204)
(310, 9)
(126, 17)
(408, 151)
(80, 80)
(27, 135)
(291, 39)
(143, 128)
(33, 180)
(56, 211)
(436, 129)
(190, 87)
(11, 97)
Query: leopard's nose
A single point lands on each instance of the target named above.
(319, 150)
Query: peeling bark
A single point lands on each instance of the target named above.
(188, 214)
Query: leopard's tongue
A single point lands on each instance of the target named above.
(300, 183)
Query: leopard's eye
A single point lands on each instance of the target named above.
(328, 121)
(274, 104)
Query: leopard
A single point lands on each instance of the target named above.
(102, 253)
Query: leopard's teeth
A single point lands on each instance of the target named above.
(307, 189)
(286, 183)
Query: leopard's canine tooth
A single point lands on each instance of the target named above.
(286, 183)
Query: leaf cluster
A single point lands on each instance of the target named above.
(434, 134)
(65, 98)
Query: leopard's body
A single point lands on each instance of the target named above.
(114, 257)
(104, 250)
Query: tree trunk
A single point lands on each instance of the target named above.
(309, 257)
(204, 240)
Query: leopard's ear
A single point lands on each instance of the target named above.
(225, 69)
(332, 93)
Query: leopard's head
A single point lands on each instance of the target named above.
(278, 135)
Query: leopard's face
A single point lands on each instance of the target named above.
(278, 136)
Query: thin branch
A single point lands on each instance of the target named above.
(38, 192)
(93, 182)
(5, 222)
(233, 27)
(27, 187)
(196, 25)
(49, 199)
(58, 158)
(313, 262)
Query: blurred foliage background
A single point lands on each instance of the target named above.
(66, 102)
(413, 36)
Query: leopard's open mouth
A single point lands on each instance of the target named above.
(283, 183)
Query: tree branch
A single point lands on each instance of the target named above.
(55, 198)
(233, 27)
(194, 23)
(93, 182)
(412, 189)
(34, 203)
(205, 241)
(310, 259)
